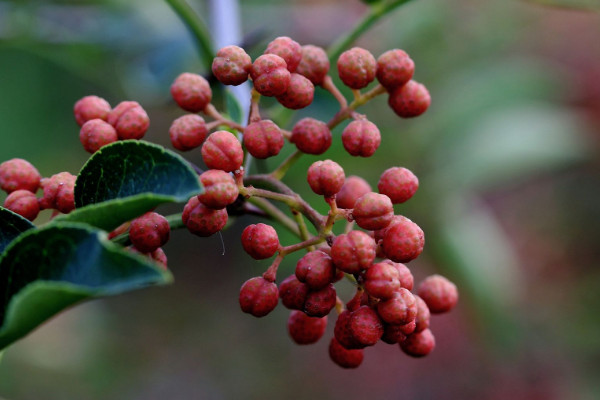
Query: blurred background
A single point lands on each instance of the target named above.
(509, 166)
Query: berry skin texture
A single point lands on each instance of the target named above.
(97, 133)
(365, 326)
(354, 187)
(423, 315)
(149, 232)
(343, 357)
(410, 100)
(260, 241)
(394, 68)
(314, 64)
(406, 278)
(299, 94)
(357, 67)
(201, 220)
(24, 203)
(90, 107)
(288, 49)
(304, 329)
(373, 211)
(418, 344)
(222, 151)
(397, 183)
(220, 189)
(232, 65)
(439, 294)
(16, 174)
(293, 293)
(58, 192)
(382, 280)
(129, 120)
(263, 139)
(315, 269)
(326, 177)
(320, 302)
(353, 252)
(258, 296)
(361, 138)
(403, 241)
(188, 132)
(311, 136)
(342, 333)
(270, 75)
(191, 92)
(400, 309)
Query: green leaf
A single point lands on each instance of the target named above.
(11, 226)
(125, 179)
(234, 108)
(49, 269)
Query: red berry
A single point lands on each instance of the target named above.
(418, 344)
(288, 49)
(201, 220)
(299, 94)
(24, 203)
(232, 65)
(149, 232)
(293, 293)
(410, 100)
(260, 241)
(220, 189)
(400, 309)
(399, 184)
(304, 329)
(357, 67)
(129, 120)
(343, 357)
(373, 211)
(270, 75)
(361, 138)
(311, 136)
(439, 294)
(393, 334)
(406, 278)
(188, 132)
(157, 255)
(409, 328)
(315, 269)
(353, 252)
(354, 187)
(18, 174)
(342, 332)
(423, 315)
(258, 296)
(365, 326)
(263, 139)
(382, 280)
(326, 177)
(97, 133)
(191, 92)
(403, 241)
(58, 192)
(314, 64)
(394, 68)
(320, 302)
(91, 107)
(222, 151)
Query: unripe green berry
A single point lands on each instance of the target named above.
(149, 232)
(361, 138)
(95, 134)
(288, 49)
(263, 139)
(354, 187)
(191, 92)
(222, 151)
(394, 68)
(260, 241)
(58, 192)
(270, 75)
(220, 189)
(91, 107)
(357, 67)
(201, 220)
(373, 211)
(188, 132)
(24, 203)
(299, 94)
(409, 100)
(16, 174)
(311, 136)
(325, 177)
(314, 64)
(129, 119)
(232, 65)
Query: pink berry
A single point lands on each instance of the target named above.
(288, 49)
(91, 107)
(353, 252)
(311, 136)
(299, 94)
(149, 232)
(406, 278)
(222, 151)
(423, 315)
(270, 75)
(403, 241)
(343, 357)
(263, 139)
(373, 211)
(439, 294)
(260, 241)
(399, 184)
(342, 332)
(365, 326)
(326, 177)
(129, 120)
(304, 329)
(394, 68)
(314, 64)
(258, 296)
(188, 132)
(24, 203)
(320, 302)
(393, 334)
(232, 65)
(201, 220)
(357, 67)
(315, 269)
(410, 100)
(58, 192)
(96, 133)
(220, 189)
(354, 187)
(16, 174)
(418, 344)
(398, 310)
(361, 138)
(157, 255)
(382, 280)
(293, 293)
(191, 92)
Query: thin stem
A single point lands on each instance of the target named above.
(280, 171)
(212, 112)
(331, 88)
(275, 214)
(347, 112)
(254, 114)
(302, 245)
(304, 234)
